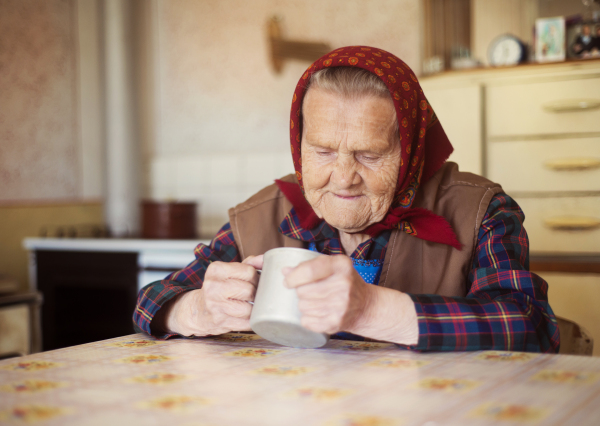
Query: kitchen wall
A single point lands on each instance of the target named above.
(211, 114)
(220, 122)
(26, 219)
(39, 152)
(41, 175)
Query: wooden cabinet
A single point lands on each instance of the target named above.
(538, 132)
(537, 129)
(88, 296)
(90, 286)
(543, 145)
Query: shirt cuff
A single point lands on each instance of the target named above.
(152, 298)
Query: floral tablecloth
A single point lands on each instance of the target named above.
(241, 379)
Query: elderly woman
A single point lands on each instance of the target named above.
(421, 254)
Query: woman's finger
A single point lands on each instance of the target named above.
(319, 290)
(222, 271)
(311, 308)
(310, 271)
(237, 309)
(234, 289)
(238, 324)
(255, 261)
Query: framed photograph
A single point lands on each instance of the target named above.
(583, 40)
(550, 39)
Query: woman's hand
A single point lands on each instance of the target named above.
(333, 297)
(221, 305)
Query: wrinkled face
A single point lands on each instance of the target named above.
(350, 158)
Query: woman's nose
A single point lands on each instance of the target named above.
(344, 172)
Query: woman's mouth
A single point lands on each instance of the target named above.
(347, 196)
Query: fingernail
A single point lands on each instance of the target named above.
(286, 270)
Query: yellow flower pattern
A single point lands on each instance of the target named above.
(31, 413)
(254, 352)
(144, 359)
(175, 403)
(30, 386)
(31, 366)
(509, 412)
(505, 356)
(283, 371)
(157, 378)
(350, 383)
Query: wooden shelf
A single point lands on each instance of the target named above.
(526, 65)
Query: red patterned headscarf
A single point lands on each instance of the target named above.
(425, 146)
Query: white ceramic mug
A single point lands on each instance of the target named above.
(275, 314)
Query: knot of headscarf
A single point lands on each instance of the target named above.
(425, 146)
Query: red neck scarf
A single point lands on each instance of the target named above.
(425, 146)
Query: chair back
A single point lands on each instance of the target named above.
(20, 331)
(574, 339)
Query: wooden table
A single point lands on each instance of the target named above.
(241, 379)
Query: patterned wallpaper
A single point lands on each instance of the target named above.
(38, 100)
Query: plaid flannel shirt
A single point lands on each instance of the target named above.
(506, 307)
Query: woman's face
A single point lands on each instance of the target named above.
(350, 158)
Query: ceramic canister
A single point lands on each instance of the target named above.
(275, 314)
(168, 220)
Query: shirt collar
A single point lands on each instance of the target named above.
(328, 241)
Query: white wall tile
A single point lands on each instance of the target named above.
(163, 178)
(261, 169)
(284, 164)
(219, 203)
(214, 207)
(224, 170)
(189, 193)
(193, 171)
(163, 193)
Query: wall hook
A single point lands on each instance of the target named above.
(282, 49)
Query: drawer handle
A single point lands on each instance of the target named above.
(572, 105)
(572, 164)
(572, 223)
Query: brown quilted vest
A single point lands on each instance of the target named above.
(411, 265)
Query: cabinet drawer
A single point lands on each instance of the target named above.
(562, 224)
(571, 106)
(550, 165)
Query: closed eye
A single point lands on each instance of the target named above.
(367, 157)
